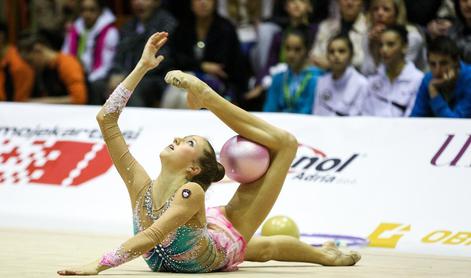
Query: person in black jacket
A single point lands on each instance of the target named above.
(148, 18)
(207, 45)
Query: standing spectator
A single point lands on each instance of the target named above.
(292, 89)
(207, 45)
(16, 76)
(392, 91)
(445, 91)
(93, 39)
(384, 13)
(60, 76)
(351, 22)
(148, 18)
(342, 91)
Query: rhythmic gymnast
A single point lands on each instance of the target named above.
(173, 230)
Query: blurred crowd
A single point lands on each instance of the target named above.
(387, 58)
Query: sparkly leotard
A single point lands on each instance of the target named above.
(187, 249)
(171, 238)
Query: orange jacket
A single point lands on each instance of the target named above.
(22, 75)
(72, 76)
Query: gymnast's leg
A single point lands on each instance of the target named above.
(290, 249)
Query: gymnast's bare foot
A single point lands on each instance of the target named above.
(198, 91)
(336, 257)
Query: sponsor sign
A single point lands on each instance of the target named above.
(401, 184)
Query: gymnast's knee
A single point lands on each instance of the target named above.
(266, 251)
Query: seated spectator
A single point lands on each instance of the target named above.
(439, 26)
(445, 91)
(93, 38)
(60, 76)
(299, 12)
(53, 17)
(148, 18)
(279, 15)
(384, 13)
(207, 45)
(461, 30)
(442, 21)
(421, 12)
(351, 22)
(292, 89)
(342, 91)
(16, 76)
(392, 91)
(255, 34)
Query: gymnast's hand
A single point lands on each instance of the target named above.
(92, 268)
(149, 59)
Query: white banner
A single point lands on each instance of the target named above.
(401, 183)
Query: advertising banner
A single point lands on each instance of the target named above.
(401, 184)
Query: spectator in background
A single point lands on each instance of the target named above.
(421, 12)
(392, 91)
(299, 18)
(48, 16)
(280, 16)
(461, 30)
(442, 21)
(207, 45)
(16, 76)
(93, 39)
(60, 77)
(255, 34)
(342, 91)
(245, 12)
(352, 22)
(292, 90)
(384, 13)
(148, 18)
(445, 91)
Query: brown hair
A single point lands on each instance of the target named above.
(211, 169)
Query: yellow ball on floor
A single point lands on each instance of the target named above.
(280, 225)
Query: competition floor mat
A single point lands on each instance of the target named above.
(29, 253)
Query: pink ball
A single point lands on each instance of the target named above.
(244, 161)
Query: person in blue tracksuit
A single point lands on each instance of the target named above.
(446, 90)
(292, 89)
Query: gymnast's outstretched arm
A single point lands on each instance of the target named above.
(182, 209)
(130, 170)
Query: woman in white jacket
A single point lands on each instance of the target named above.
(340, 92)
(93, 38)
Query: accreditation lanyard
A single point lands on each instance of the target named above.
(292, 99)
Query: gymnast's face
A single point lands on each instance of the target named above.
(184, 151)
